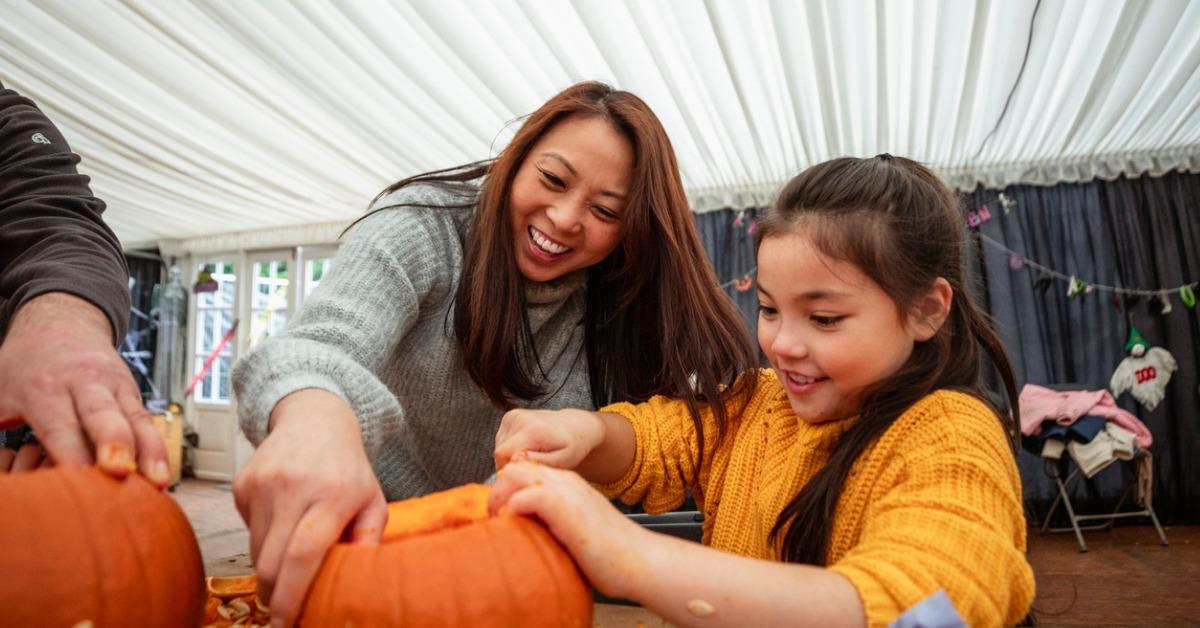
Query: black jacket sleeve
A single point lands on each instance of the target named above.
(52, 238)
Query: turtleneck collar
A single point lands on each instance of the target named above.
(540, 293)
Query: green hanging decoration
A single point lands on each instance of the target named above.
(1187, 295)
(1075, 287)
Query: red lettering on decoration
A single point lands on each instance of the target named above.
(1146, 374)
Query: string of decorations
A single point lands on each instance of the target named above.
(1075, 285)
(746, 281)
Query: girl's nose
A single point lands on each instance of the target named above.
(789, 344)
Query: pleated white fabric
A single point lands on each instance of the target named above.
(203, 120)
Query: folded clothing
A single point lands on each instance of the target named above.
(1113, 443)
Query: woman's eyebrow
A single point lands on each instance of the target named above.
(567, 164)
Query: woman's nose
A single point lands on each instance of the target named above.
(566, 214)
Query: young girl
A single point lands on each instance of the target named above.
(566, 272)
(868, 470)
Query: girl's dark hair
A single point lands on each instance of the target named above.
(902, 227)
(656, 320)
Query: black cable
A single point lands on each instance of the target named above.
(1020, 73)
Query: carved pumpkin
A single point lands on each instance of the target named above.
(80, 546)
(444, 562)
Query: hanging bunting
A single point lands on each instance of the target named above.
(744, 284)
(1043, 281)
(1158, 300)
(1187, 296)
(1164, 307)
(1074, 288)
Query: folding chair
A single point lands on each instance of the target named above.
(1065, 499)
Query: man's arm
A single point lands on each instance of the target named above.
(52, 237)
(64, 305)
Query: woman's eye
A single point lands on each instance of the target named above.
(826, 321)
(605, 213)
(552, 180)
(766, 310)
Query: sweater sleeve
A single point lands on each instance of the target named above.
(952, 520)
(348, 329)
(52, 237)
(667, 461)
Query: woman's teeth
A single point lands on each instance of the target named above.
(546, 244)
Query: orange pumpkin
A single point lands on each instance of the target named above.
(444, 562)
(79, 545)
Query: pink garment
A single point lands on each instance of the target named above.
(1039, 403)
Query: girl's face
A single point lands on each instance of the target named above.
(568, 198)
(828, 330)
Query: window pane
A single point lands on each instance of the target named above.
(314, 271)
(222, 378)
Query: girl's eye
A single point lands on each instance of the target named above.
(826, 321)
(552, 180)
(766, 310)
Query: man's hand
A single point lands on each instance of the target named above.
(60, 375)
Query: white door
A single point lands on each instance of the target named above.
(271, 299)
(211, 403)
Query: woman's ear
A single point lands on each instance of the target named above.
(932, 309)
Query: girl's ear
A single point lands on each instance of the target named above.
(932, 309)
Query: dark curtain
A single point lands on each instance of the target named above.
(1142, 232)
(1132, 233)
(727, 236)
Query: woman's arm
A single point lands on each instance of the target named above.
(686, 583)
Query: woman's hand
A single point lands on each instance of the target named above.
(611, 549)
(559, 438)
(306, 485)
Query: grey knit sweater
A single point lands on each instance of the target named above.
(376, 333)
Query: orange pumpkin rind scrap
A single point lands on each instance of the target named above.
(437, 511)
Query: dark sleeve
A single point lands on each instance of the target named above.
(52, 238)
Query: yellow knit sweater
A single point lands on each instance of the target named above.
(934, 504)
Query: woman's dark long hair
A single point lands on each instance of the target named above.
(656, 320)
(902, 227)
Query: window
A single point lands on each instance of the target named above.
(315, 262)
(268, 298)
(214, 319)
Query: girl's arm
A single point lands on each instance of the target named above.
(686, 583)
(599, 445)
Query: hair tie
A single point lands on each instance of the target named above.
(884, 156)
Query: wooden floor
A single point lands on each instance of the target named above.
(1125, 579)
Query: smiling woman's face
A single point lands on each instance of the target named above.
(568, 198)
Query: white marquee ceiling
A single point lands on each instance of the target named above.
(200, 119)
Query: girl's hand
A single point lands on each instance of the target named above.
(559, 438)
(610, 548)
(308, 483)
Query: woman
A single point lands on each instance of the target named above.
(565, 273)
